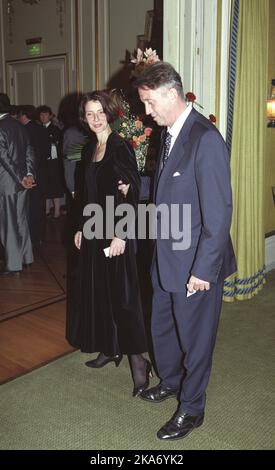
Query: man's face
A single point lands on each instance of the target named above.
(45, 117)
(23, 119)
(158, 103)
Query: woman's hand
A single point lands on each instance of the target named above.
(117, 247)
(123, 188)
(77, 239)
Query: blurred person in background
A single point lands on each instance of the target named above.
(37, 197)
(17, 175)
(54, 184)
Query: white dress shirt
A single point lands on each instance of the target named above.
(176, 128)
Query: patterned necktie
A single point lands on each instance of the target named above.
(166, 148)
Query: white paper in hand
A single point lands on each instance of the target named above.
(106, 251)
(190, 293)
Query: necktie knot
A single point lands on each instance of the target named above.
(166, 148)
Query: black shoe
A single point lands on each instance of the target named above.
(158, 394)
(138, 390)
(179, 426)
(102, 360)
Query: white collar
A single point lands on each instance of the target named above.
(176, 127)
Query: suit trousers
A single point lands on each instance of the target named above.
(184, 332)
(14, 230)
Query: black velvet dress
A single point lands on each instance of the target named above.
(106, 313)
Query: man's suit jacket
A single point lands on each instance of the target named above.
(16, 155)
(197, 173)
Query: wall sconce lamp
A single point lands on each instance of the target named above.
(271, 105)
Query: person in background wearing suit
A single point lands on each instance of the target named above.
(37, 197)
(193, 168)
(16, 176)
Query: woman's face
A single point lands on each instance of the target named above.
(95, 116)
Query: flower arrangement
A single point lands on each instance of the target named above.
(191, 98)
(131, 128)
(143, 59)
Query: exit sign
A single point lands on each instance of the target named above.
(34, 46)
(34, 50)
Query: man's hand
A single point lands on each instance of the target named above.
(197, 284)
(77, 239)
(123, 188)
(117, 247)
(28, 182)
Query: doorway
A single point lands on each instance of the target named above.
(38, 81)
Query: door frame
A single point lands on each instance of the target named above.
(10, 63)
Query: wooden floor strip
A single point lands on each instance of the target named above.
(33, 310)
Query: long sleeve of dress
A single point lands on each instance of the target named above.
(125, 167)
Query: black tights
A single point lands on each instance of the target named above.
(138, 368)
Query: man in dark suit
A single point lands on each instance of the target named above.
(188, 273)
(16, 177)
(37, 197)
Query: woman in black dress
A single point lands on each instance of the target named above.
(54, 185)
(106, 314)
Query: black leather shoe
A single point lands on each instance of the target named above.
(158, 394)
(179, 426)
(102, 360)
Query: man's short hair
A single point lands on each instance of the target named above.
(160, 74)
(43, 109)
(4, 103)
(14, 110)
(27, 110)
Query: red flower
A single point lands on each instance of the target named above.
(120, 113)
(212, 118)
(190, 97)
(133, 143)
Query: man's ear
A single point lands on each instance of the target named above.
(173, 94)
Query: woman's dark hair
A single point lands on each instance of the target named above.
(160, 74)
(108, 105)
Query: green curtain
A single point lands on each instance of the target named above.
(248, 150)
